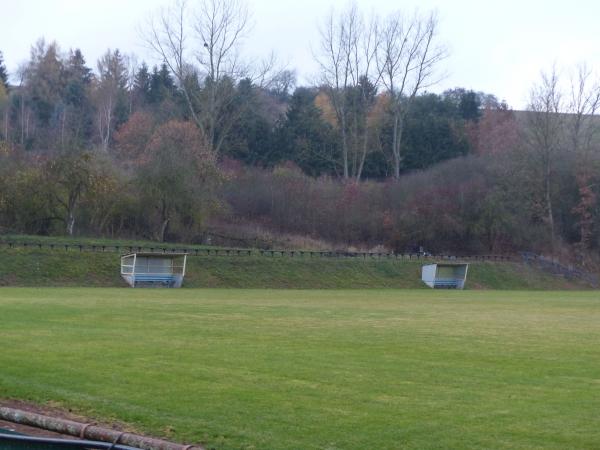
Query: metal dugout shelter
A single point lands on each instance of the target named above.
(445, 275)
(153, 269)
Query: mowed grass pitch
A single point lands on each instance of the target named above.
(283, 369)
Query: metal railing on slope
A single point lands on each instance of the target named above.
(251, 252)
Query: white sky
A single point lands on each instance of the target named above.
(495, 46)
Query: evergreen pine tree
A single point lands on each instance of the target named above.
(166, 79)
(305, 137)
(155, 86)
(162, 85)
(142, 85)
(78, 78)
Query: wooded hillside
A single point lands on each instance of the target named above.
(366, 157)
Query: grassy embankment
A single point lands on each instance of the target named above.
(45, 267)
(287, 369)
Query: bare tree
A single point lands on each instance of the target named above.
(283, 83)
(201, 46)
(545, 137)
(583, 104)
(347, 63)
(583, 128)
(407, 57)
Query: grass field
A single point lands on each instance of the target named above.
(285, 369)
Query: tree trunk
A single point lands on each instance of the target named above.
(548, 198)
(104, 123)
(70, 223)
(585, 208)
(6, 125)
(62, 128)
(345, 147)
(397, 137)
(103, 222)
(163, 229)
(22, 120)
(365, 147)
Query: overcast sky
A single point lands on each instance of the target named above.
(498, 47)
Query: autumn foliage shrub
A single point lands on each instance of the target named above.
(461, 206)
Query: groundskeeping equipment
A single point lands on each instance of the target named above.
(153, 269)
(445, 275)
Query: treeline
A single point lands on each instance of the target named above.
(492, 203)
(116, 151)
(366, 157)
(368, 116)
(61, 105)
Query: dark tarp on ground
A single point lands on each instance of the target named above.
(4, 445)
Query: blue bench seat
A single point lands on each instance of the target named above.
(446, 283)
(154, 278)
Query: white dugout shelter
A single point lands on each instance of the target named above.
(153, 269)
(445, 275)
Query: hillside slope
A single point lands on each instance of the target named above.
(35, 267)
